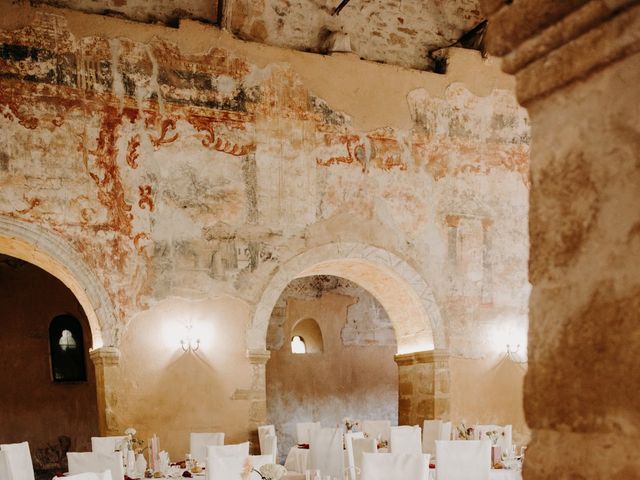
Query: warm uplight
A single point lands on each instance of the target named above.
(189, 342)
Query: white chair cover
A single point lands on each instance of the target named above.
(257, 461)
(405, 439)
(236, 450)
(263, 431)
(325, 452)
(107, 445)
(106, 475)
(18, 460)
(395, 466)
(5, 473)
(226, 467)
(378, 429)
(91, 462)
(303, 431)
(200, 442)
(434, 430)
(348, 443)
(360, 446)
(463, 459)
(269, 446)
(505, 434)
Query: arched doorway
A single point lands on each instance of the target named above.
(409, 303)
(51, 253)
(48, 386)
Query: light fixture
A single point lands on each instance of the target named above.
(512, 354)
(188, 343)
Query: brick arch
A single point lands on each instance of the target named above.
(404, 294)
(48, 251)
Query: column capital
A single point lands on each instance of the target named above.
(549, 44)
(105, 356)
(258, 357)
(427, 356)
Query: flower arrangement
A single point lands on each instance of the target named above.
(464, 432)
(134, 444)
(494, 435)
(269, 471)
(349, 424)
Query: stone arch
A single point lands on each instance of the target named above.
(406, 297)
(41, 247)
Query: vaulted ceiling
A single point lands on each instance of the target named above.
(400, 32)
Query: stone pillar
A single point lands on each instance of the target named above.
(423, 386)
(577, 66)
(106, 361)
(258, 394)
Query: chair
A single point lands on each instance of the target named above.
(303, 431)
(92, 462)
(405, 439)
(106, 475)
(263, 431)
(5, 473)
(18, 461)
(270, 443)
(505, 434)
(433, 430)
(200, 442)
(325, 452)
(236, 450)
(361, 446)
(226, 467)
(378, 429)
(395, 466)
(463, 459)
(348, 442)
(107, 445)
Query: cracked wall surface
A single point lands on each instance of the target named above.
(195, 171)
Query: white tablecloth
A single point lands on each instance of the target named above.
(494, 475)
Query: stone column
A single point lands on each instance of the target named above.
(577, 65)
(106, 361)
(423, 386)
(258, 394)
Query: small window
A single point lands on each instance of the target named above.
(297, 345)
(306, 337)
(67, 350)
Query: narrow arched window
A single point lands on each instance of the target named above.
(306, 337)
(66, 345)
(298, 345)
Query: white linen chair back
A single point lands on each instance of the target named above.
(236, 450)
(505, 434)
(263, 431)
(107, 445)
(303, 431)
(199, 443)
(395, 466)
(270, 447)
(406, 439)
(18, 460)
(106, 475)
(433, 430)
(348, 443)
(227, 467)
(326, 453)
(463, 459)
(92, 462)
(378, 429)
(5, 473)
(361, 446)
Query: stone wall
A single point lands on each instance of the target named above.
(186, 168)
(53, 417)
(355, 375)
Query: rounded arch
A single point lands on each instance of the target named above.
(406, 297)
(310, 333)
(48, 251)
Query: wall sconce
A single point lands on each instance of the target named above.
(512, 354)
(188, 343)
